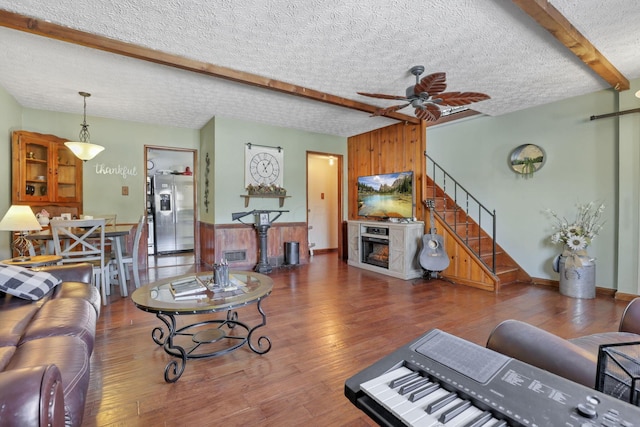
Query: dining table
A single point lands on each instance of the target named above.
(115, 233)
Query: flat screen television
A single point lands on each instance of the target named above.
(385, 196)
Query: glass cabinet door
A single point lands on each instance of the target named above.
(37, 171)
(66, 176)
(44, 171)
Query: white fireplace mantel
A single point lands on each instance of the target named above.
(404, 246)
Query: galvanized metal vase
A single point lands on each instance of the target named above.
(577, 274)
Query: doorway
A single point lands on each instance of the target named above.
(324, 202)
(170, 200)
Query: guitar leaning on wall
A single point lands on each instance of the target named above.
(433, 257)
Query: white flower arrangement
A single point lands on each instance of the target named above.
(578, 234)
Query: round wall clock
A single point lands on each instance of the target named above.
(263, 165)
(264, 168)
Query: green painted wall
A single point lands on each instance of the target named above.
(10, 120)
(231, 135)
(582, 165)
(206, 172)
(628, 221)
(586, 160)
(122, 161)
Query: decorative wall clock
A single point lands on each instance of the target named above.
(263, 165)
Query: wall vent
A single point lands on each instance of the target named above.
(232, 256)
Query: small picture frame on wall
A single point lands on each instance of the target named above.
(527, 159)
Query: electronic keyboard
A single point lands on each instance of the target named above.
(443, 380)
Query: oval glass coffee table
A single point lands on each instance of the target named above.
(207, 338)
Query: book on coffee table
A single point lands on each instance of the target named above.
(187, 287)
(189, 297)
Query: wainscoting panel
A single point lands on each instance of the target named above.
(217, 239)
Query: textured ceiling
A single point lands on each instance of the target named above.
(335, 46)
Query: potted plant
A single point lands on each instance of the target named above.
(576, 268)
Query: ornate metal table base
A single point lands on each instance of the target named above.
(206, 340)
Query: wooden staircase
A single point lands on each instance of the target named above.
(470, 248)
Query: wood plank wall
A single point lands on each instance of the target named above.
(395, 148)
(216, 239)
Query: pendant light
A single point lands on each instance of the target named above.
(84, 149)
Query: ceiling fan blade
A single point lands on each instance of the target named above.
(456, 99)
(433, 84)
(383, 111)
(383, 96)
(429, 113)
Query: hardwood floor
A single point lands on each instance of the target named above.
(326, 321)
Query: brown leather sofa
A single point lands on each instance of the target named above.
(575, 359)
(45, 349)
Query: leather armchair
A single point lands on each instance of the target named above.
(32, 397)
(575, 359)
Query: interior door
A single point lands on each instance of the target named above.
(324, 208)
(177, 217)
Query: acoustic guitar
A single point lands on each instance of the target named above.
(433, 257)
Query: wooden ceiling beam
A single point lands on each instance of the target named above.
(553, 21)
(47, 29)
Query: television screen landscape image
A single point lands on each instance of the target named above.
(386, 195)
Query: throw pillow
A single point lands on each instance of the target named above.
(24, 283)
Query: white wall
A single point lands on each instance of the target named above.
(322, 196)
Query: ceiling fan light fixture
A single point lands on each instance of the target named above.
(84, 149)
(427, 96)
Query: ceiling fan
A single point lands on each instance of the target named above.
(427, 96)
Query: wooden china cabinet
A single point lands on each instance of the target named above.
(44, 172)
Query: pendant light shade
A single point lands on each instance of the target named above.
(84, 149)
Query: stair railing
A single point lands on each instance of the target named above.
(472, 208)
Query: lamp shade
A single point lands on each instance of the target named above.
(84, 150)
(19, 218)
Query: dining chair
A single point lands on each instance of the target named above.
(37, 247)
(83, 241)
(110, 220)
(132, 258)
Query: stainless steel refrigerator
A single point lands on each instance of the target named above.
(173, 213)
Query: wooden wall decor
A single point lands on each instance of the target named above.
(218, 240)
(395, 148)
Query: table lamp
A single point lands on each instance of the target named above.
(20, 218)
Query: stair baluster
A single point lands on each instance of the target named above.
(452, 203)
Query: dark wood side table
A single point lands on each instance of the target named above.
(34, 261)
